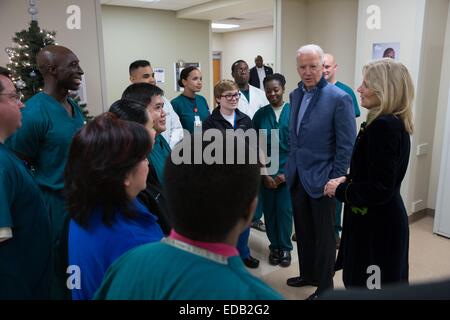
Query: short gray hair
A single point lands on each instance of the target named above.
(311, 48)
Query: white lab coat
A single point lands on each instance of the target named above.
(257, 100)
(174, 129)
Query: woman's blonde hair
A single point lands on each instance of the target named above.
(392, 84)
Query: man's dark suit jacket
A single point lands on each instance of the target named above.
(254, 78)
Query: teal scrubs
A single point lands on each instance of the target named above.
(188, 108)
(180, 272)
(276, 203)
(45, 137)
(25, 259)
(349, 90)
(158, 156)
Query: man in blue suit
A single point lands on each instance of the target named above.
(322, 131)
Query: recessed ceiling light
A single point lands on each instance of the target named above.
(224, 26)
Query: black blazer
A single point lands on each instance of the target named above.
(375, 229)
(254, 78)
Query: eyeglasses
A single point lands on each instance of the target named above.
(230, 97)
(15, 96)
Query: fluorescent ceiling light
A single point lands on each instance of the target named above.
(148, 0)
(224, 26)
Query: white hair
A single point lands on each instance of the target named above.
(311, 48)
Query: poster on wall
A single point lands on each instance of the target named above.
(160, 75)
(386, 50)
(178, 67)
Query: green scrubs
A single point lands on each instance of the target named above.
(25, 259)
(180, 272)
(45, 137)
(188, 108)
(276, 203)
(158, 156)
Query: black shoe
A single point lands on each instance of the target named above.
(251, 262)
(274, 257)
(259, 225)
(294, 237)
(314, 296)
(300, 282)
(285, 258)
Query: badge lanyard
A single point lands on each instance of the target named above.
(197, 121)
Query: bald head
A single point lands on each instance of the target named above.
(329, 68)
(259, 61)
(59, 67)
(51, 56)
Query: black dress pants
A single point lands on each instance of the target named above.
(314, 221)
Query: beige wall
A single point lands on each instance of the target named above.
(332, 25)
(441, 114)
(290, 34)
(329, 23)
(155, 35)
(85, 43)
(245, 45)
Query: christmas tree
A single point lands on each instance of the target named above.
(22, 58)
(22, 61)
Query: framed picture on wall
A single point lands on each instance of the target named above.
(386, 50)
(178, 67)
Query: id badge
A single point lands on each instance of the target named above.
(197, 121)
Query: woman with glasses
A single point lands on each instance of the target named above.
(227, 116)
(274, 194)
(191, 108)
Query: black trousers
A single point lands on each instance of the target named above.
(314, 221)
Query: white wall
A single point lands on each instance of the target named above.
(427, 97)
(155, 35)
(245, 45)
(441, 114)
(86, 43)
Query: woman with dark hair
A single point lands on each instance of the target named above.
(106, 170)
(191, 108)
(152, 197)
(274, 193)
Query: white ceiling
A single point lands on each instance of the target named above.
(249, 14)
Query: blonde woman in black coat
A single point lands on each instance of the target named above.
(375, 234)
